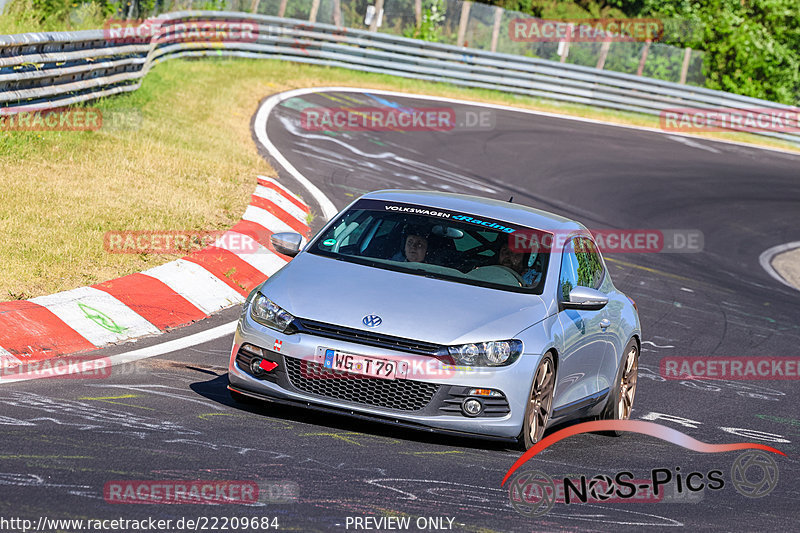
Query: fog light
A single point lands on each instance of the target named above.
(472, 407)
(259, 366)
(255, 366)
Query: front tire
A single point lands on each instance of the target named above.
(620, 404)
(540, 403)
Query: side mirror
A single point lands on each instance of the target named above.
(287, 243)
(586, 299)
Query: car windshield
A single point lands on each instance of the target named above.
(437, 243)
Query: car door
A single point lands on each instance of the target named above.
(585, 338)
(616, 335)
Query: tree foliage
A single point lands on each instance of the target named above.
(751, 45)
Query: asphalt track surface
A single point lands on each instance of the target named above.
(170, 417)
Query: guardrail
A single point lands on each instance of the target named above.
(47, 70)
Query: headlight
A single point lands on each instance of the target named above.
(266, 312)
(493, 353)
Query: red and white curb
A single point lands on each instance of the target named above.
(167, 296)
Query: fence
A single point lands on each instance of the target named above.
(474, 25)
(486, 27)
(40, 71)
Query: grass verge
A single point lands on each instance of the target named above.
(189, 164)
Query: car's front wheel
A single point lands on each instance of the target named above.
(540, 403)
(620, 402)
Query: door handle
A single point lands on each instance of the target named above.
(605, 323)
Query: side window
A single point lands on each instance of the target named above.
(590, 266)
(568, 279)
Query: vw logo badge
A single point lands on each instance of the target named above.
(372, 321)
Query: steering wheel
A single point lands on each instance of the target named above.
(505, 271)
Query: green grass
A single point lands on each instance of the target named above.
(21, 16)
(189, 165)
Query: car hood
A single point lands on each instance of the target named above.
(410, 306)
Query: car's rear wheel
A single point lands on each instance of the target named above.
(620, 403)
(540, 403)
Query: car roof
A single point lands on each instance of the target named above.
(485, 207)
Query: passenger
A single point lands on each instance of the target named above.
(415, 244)
(516, 261)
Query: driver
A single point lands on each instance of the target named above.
(516, 261)
(415, 244)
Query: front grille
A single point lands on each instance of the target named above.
(399, 394)
(332, 331)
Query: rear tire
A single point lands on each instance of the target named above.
(540, 403)
(620, 403)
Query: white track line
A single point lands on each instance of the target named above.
(159, 349)
(766, 260)
(7, 359)
(260, 126)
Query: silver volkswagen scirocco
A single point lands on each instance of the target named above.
(443, 312)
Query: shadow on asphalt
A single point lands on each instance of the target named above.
(216, 391)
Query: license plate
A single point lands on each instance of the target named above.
(359, 364)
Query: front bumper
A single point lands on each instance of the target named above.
(430, 397)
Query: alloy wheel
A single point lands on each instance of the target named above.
(627, 386)
(541, 400)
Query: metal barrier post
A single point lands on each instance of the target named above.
(498, 16)
(462, 24)
(642, 61)
(687, 55)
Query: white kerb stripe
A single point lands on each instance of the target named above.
(264, 218)
(7, 359)
(251, 252)
(96, 315)
(274, 197)
(196, 284)
(283, 188)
